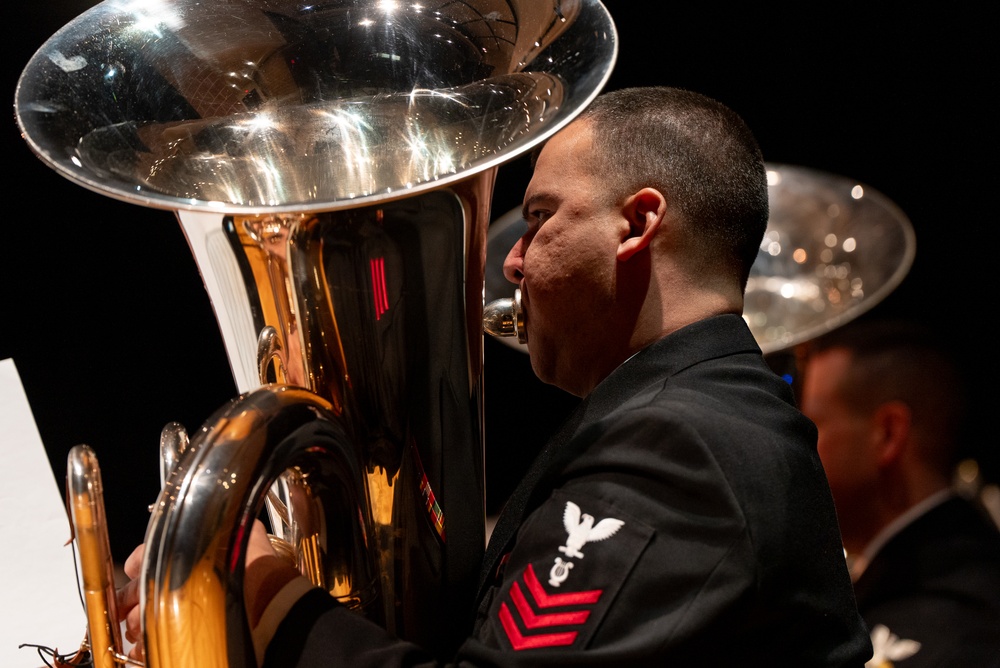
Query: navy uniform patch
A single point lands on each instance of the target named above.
(569, 561)
(888, 648)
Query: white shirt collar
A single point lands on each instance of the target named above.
(858, 564)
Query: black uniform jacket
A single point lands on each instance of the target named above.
(680, 518)
(931, 595)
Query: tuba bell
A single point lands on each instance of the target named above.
(331, 166)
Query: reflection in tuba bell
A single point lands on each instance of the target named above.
(332, 167)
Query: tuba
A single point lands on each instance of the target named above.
(331, 166)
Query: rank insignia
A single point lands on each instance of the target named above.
(561, 583)
(573, 610)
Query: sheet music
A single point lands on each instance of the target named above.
(41, 605)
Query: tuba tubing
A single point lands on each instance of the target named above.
(198, 533)
(85, 499)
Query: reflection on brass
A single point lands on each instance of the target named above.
(270, 357)
(174, 443)
(289, 107)
(331, 166)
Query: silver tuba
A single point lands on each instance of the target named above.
(332, 166)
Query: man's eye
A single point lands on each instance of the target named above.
(540, 216)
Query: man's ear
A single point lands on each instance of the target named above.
(892, 422)
(644, 212)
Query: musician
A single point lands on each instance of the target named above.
(887, 400)
(681, 517)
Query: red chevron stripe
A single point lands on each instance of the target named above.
(535, 621)
(520, 641)
(551, 600)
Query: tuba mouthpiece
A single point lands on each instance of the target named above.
(504, 317)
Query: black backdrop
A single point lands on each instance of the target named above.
(106, 319)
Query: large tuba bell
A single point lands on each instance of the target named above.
(331, 165)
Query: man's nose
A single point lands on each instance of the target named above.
(513, 263)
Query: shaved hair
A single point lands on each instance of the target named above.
(700, 155)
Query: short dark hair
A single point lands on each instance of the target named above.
(903, 360)
(700, 154)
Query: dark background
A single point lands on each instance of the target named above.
(107, 321)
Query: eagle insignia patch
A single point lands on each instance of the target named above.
(888, 647)
(582, 530)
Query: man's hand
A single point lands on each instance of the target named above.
(128, 604)
(266, 573)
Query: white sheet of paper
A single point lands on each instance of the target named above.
(41, 605)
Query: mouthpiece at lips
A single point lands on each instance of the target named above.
(504, 317)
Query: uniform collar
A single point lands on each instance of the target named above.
(859, 563)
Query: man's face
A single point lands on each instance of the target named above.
(844, 444)
(565, 263)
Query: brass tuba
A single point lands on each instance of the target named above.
(332, 166)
